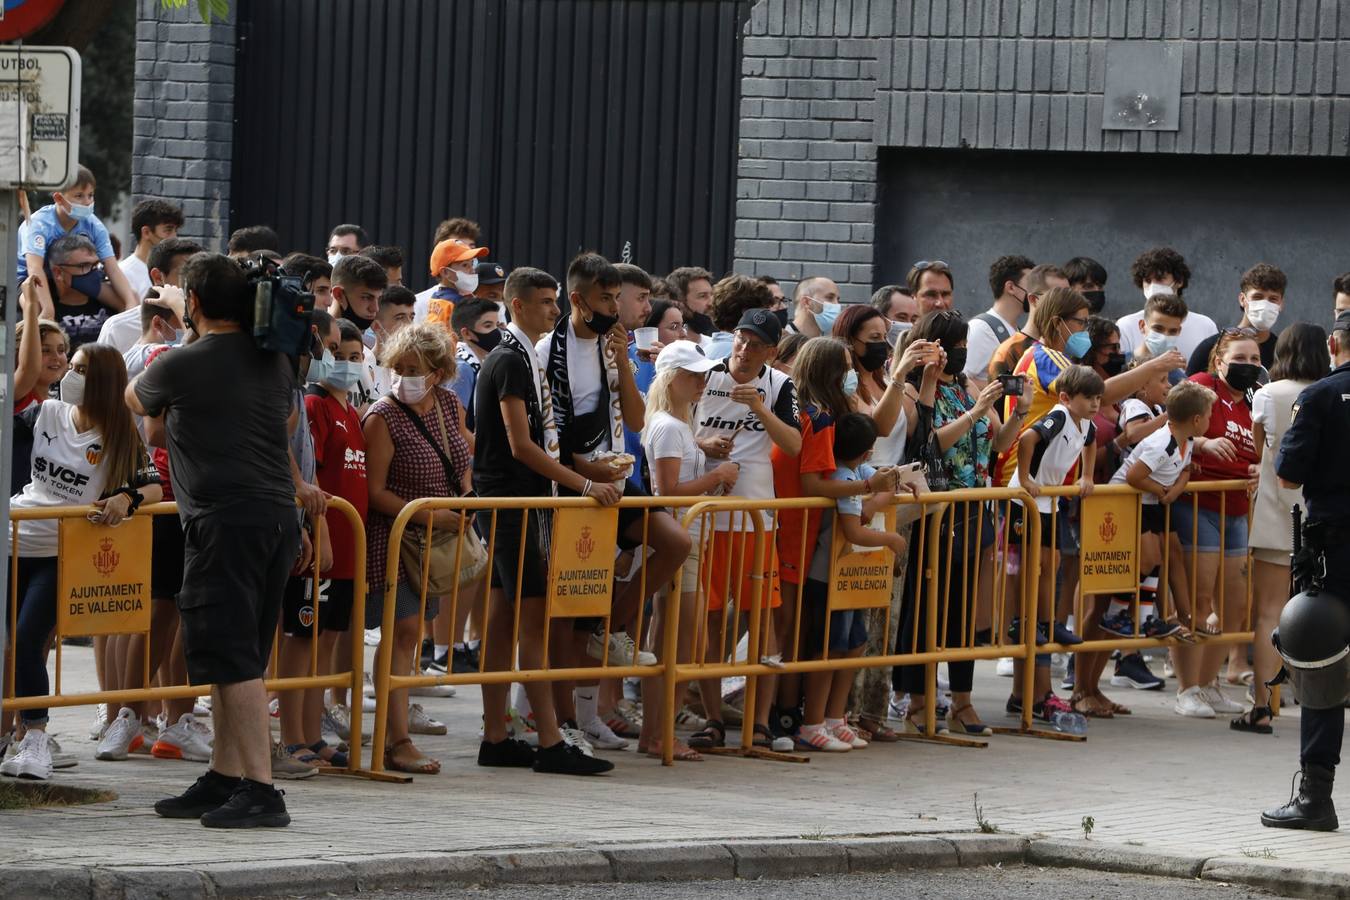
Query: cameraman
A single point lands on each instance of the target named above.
(225, 405)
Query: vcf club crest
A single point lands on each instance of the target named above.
(1107, 530)
(585, 543)
(106, 559)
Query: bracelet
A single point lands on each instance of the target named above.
(586, 488)
(135, 496)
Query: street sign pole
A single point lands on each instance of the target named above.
(9, 303)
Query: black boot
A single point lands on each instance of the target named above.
(1311, 808)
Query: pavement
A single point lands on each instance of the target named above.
(1166, 796)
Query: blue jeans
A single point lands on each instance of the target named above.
(37, 618)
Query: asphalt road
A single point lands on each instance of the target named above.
(1011, 883)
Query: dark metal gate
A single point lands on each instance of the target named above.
(559, 125)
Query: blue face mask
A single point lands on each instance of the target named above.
(344, 375)
(850, 383)
(90, 283)
(79, 212)
(828, 313)
(1078, 345)
(320, 368)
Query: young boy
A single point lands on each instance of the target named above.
(455, 266)
(1047, 452)
(476, 326)
(824, 727)
(395, 314)
(1164, 317)
(71, 212)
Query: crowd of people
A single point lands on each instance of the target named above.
(506, 382)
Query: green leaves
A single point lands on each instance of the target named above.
(207, 9)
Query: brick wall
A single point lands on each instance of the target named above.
(184, 114)
(827, 82)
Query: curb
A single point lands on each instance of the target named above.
(645, 862)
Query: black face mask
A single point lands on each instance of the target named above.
(1242, 376)
(956, 361)
(1096, 301)
(782, 316)
(702, 323)
(488, 339)
(1026, 302)
(1115, 364)
(360, 322)
(599, 322)
(874, 357)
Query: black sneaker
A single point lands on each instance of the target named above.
(1064, 635)
(428, 654)
(463, 662)
(564, 759)
(252, 805)
(209, 792)
(440, 665)
(1014, 706)
(1121, 625)
(476, 657)
(1155, 627)
(507, 754)
(1133, 672)
(1015, 632)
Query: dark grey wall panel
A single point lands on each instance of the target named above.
(557, 124)
(1222, 213)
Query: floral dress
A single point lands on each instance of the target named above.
(967, 460)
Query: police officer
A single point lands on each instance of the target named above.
(1312, 456)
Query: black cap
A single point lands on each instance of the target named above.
(763, 323)
(490, 273)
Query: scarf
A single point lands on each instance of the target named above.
(545, 434)
(575, 436)
(465, 355)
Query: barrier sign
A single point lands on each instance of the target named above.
(581, 569)
(103, 581)
(1110, 535)
(861, 577)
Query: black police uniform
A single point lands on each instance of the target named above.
(1312, 454)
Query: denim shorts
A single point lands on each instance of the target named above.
(1204, 537)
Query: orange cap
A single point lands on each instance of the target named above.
(451, 251)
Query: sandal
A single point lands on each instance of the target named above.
(954, 723)
(338, 756)
(1089, 706)
(308, 757)
(419, 766)
(914, 723)
(1116, 708)
(712, 737)
(880, 730)
(763, 737)
(1210, 628)
(683, 753)
(1248, 721)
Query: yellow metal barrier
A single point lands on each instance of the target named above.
(352, 680)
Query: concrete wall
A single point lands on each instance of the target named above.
(184, 114)
(827, 84)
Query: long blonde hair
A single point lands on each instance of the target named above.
(661, 399)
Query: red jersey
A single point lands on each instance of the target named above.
(1230, 419)
(817, 455)
(159, 455)
(340, 464)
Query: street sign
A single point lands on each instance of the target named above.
(39, 116)
(20, 18)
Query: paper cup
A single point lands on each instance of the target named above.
(645, 337)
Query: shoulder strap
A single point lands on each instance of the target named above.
(422, 429)
(1000, 330)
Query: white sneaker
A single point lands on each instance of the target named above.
(1168, 671)
(1059, 665)
(369, 689)
(100, 723)
(201, 709)
(337, 719)
(845, 733)
(432, 690)
(819, 738)
(33, 759)
(520, 729)
(943, 685)
(123, 736)
(367, 704)
(622, 650)
(421, 723)
(61, 759)
(577, 738)
(899, 706)
(372, 637)
(602, 736)
(149, 734)
(781, 745)
(1217, 701)
(185, 739)
(1004, 669)
(1191, 702)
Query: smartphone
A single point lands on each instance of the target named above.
(1013, 385)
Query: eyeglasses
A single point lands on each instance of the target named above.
(1080, 322)
(79, 268)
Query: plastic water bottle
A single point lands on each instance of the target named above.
(1069, 722)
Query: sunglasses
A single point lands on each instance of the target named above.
(925, 264)
(1240, 332)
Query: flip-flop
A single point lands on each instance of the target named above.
(309, 757)
(713, 736)
(683, 753)
(338, 758)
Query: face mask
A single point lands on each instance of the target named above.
(828, 313)
(897, 331)
(874, 357)
(782, 316)
(1078, 345)
(956, 361)
(1026, 302)
(1115, 364)
(72, 388)
(369, 338)
(599, 322)
(1096, 301)
(89, 284)
(701, 323)
(488, 339)
(343, 376)
(1153, 289)
(850, 383)
(320, 368)
(410, 388)
(333, 258)
(466, 282)
(1262, 314)
(1159, 343)
(178, 335)
(79, 212)
(361, 322)
(1242, 376)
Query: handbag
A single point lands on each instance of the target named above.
(449, 567)
(928, 453)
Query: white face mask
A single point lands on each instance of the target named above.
(1159, 343)
(333, 258)
(410, 388)
(1262, 314)
(72, 388)
(897, 331)
(466, 282)
(1153, 289)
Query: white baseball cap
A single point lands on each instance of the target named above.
(684, 355)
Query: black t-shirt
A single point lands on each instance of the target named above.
(81, 323)
(1199, 361)
(496, 472)
(226, 405)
